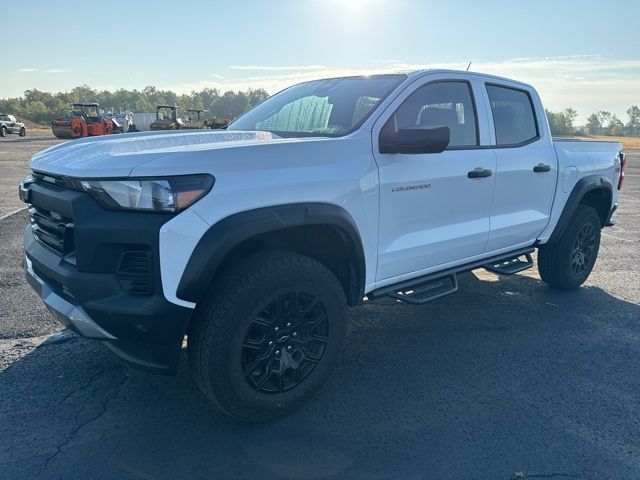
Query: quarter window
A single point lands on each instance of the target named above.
(513, 116)
(441, 104)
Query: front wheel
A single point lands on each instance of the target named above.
(23, 132)
(268, 335)
(567, 263)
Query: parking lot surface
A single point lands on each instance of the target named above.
(506, 379)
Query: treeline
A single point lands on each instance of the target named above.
(42, 107)
(598, 123)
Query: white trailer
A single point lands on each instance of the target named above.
(143, 120)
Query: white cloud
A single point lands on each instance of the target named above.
(49, 70)
(215, 75)
(277, 68)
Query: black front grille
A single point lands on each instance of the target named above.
(58, 181)
(52, 229)
(135, 272)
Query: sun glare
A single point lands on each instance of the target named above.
(355, 5)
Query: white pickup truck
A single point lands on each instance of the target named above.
(252, 241)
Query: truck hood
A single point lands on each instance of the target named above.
(117, 155)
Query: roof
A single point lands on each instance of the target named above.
(420, 73)
(411, 75)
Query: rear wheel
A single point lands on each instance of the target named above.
(567, 263)
(266, 341)
(3, 131)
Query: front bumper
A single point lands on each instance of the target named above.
(147, 332)
(70, 315)
(88, 286)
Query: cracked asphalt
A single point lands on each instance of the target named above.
(506, 379)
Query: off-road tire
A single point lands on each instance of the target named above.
(555, 260)
(23, 132)
(219, 333)
(3, 131)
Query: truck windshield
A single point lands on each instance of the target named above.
(322, 108)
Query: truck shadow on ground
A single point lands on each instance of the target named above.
(445, 390)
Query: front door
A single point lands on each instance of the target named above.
(434, 208)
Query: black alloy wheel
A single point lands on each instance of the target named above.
(567, 262)
(267, 334)
(583, 248)
(285, 342)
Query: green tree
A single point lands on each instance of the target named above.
(38, 112)
(633, 125)
(570, 116)
(605, 119)
(594, 124)
(83, 93)
(615, 127)
(562, 123)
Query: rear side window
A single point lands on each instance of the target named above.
(513, 116)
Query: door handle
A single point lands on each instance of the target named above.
(479, 173)
(541, 168)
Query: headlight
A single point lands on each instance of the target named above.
(170, 194)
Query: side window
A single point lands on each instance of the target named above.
(513, 116)
(447, 104)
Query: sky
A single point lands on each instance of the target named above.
(581, 54)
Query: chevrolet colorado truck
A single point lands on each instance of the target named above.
(252, 241)
(9, 124)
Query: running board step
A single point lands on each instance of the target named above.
(427, 291)
(511, 265)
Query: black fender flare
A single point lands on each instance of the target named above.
(223, 236)
(580, 189)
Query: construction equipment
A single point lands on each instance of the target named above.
(216, 123)
(193, 119)
(167, 119)
(122, 122)
(83, 120)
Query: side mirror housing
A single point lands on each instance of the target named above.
(415, 140)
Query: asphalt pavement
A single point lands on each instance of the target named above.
(505, 379)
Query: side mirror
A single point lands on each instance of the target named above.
(415, 140)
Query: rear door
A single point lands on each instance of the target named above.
(526, 167)
(431, 212)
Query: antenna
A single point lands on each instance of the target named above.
(469, 66)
